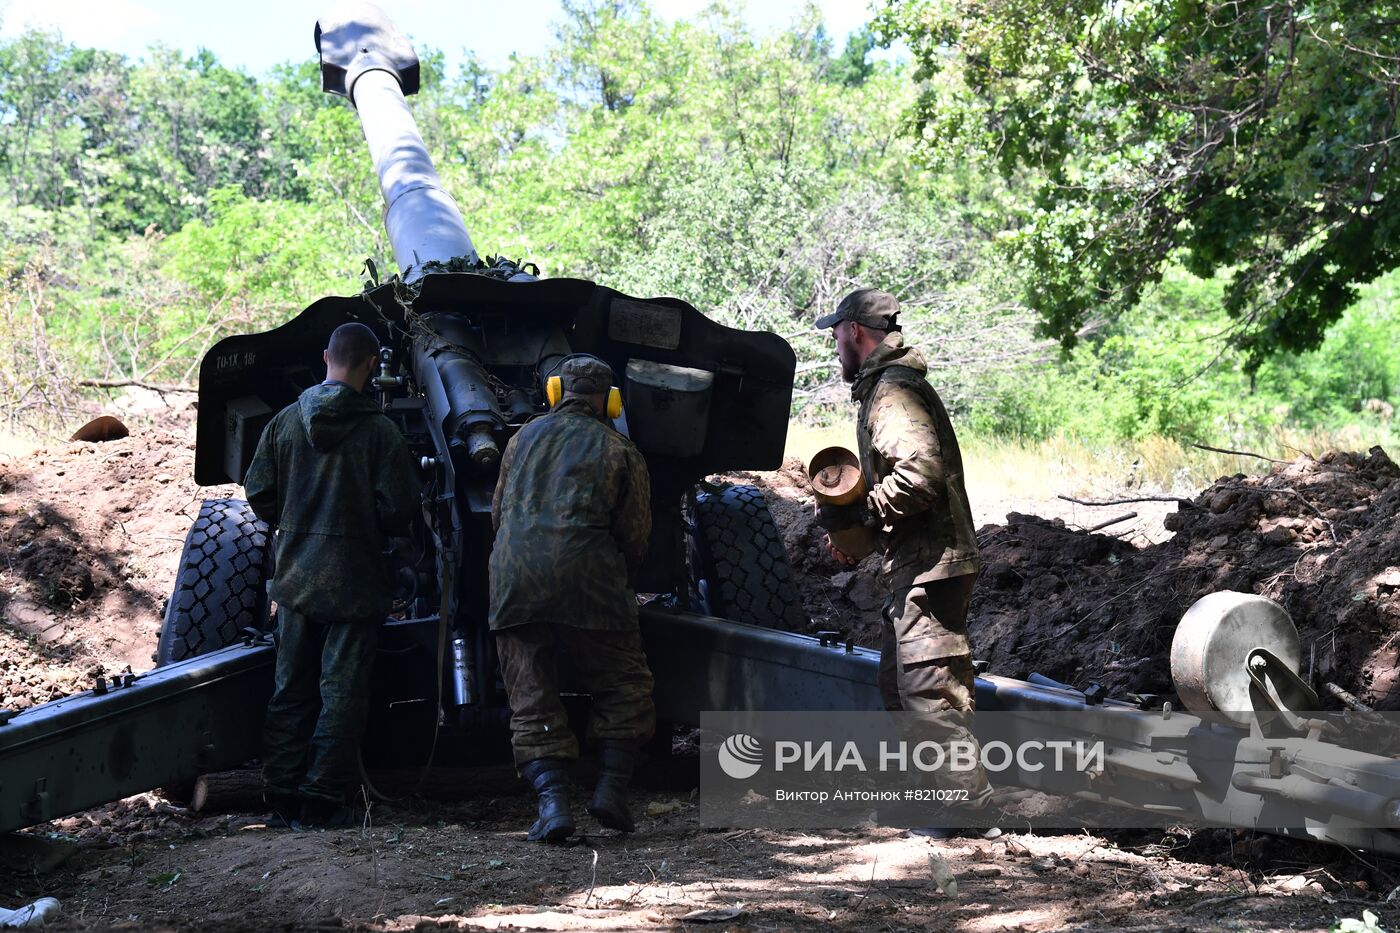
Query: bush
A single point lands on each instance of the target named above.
(1165, 369)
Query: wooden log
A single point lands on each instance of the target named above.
(227, 792)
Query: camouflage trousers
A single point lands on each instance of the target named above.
(917, 622)
(311, 737)
(609, 665)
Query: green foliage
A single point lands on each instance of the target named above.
(853, 66)
(1255, 138)
(1092, 398)
(35, 378)
(1162, 369)
(255, 251)
(154, 207)
(253, 265)
(132, 146)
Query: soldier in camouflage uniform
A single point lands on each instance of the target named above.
(333, 477)
(572, 512)
(913, 468)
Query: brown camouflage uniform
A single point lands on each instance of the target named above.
(333, 476)
(912, 464)
(572, 512)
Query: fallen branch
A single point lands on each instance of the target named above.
(1221, 901)
(1237, 453)
(1177, 499)
(132, 383)
(874, 864)
(594, 883)
(1348, 698)
(1113, 521)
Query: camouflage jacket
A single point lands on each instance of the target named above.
(572, 513)
(912, 464)
(333, 476)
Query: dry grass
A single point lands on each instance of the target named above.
(1068, 466)
(13, 446)
(804, 440)
(1157, 465)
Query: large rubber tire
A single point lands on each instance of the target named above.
(743, 572)
(221, 585)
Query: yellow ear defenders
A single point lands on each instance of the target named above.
(554, 391)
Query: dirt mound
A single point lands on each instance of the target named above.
(90, 534)
(30, 675)
(1321, 536)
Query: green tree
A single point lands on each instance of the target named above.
(57, 107)
(195, 126)
(1252, 139)
(853, 65)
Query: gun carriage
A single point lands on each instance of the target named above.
(468, 350)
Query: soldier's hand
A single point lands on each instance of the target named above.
(841, 517)
(837, 554)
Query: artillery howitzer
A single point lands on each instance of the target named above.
(467, 355)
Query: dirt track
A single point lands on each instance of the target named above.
(91, 533)
(466, 866)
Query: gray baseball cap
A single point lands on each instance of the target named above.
(866, 306)
(583, 374)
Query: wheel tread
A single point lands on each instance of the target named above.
(748, 565)
(220, 588)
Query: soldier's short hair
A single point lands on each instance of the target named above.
(351, 344)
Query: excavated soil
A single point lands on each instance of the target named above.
(90, 534)
(1320, 536)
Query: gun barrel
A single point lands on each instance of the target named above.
(366, 58)
(422, 220)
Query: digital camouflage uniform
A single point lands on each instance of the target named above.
(332, 475)
(913, 467)
(572, 512)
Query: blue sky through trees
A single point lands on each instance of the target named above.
(257, 34)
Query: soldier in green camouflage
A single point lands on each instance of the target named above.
(912, 465)
(572, 513)
(332, 475)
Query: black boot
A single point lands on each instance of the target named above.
(319, 813)
(285, 806)
(609, 805)
(550, 779)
